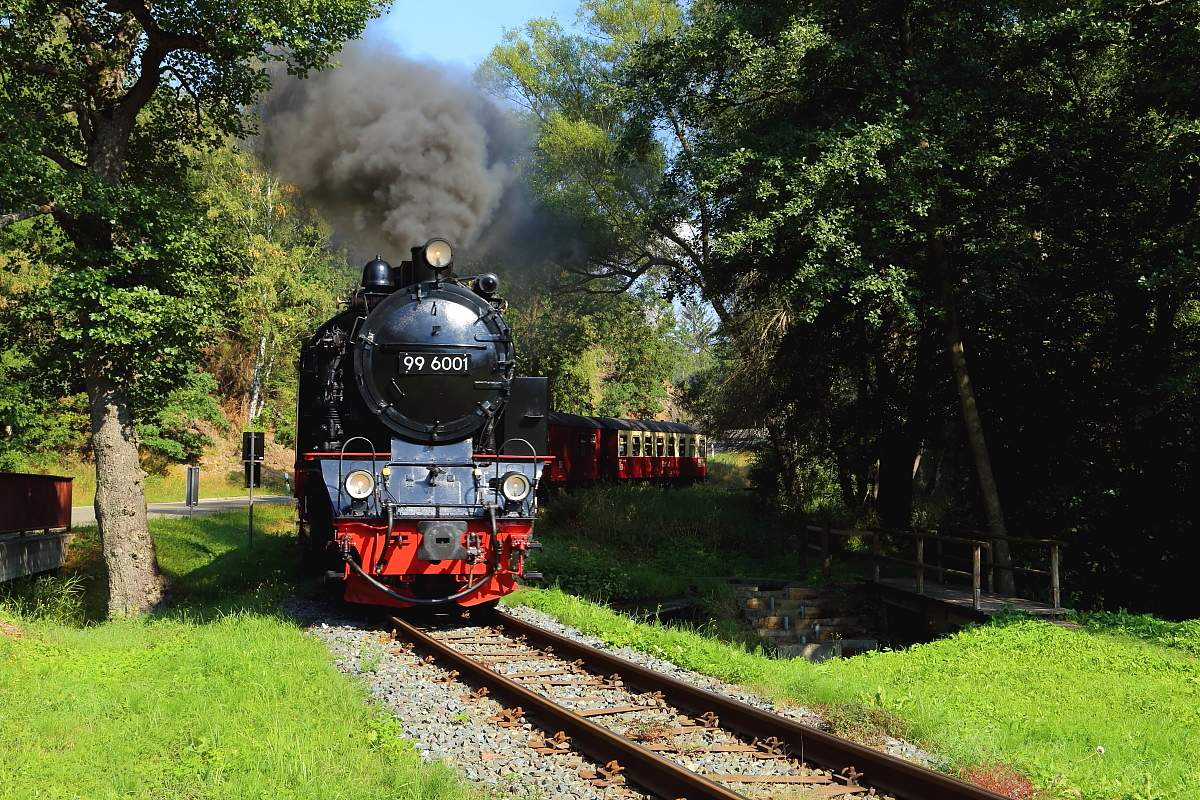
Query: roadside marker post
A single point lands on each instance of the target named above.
(253, 450)
(191, 491)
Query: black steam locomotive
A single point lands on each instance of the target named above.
(418, 450)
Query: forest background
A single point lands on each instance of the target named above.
(868, 198)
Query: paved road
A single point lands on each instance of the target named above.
(86, 515)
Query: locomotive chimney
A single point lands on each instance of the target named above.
(421, 271)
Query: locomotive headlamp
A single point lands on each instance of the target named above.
(360, 484)
(438, 253)
(515, 487)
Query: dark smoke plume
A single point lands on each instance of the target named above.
(394, 151)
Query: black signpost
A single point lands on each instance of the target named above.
(191, 491)
(253, 449)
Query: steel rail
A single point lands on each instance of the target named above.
(883, 772)
(652, 772)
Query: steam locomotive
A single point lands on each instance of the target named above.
(418, 449)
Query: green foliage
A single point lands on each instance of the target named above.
(284, 278)
(598, 162)
(606, 355)
(1083, 715)
(1183, 635)
(48, 598)
(865, 724)
(171, 427)
(626, 542)
(211, 566)
(871, 169)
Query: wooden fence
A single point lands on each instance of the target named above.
(978, 546)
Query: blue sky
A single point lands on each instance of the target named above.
(462, 32)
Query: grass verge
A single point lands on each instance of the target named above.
(1083, 715)
(630, 543)
(220, 696)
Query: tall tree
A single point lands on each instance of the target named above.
(103, 98)
(605, 354)
(1016, 180)
(599, 160)
(284, 276)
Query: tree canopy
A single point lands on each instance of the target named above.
(106, 100)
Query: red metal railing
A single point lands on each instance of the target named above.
(34, 502)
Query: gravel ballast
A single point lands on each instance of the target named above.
(446, 723)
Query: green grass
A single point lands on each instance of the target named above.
(1085, 715)
(729, 470)
(1181, 635)
(220, 696)
(625, 542)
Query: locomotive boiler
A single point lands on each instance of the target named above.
(418, 449)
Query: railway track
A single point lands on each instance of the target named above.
(644, 728)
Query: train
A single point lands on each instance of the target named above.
(588, 450)
(421, 453)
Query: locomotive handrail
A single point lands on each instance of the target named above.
(500, 455)
(341, 467)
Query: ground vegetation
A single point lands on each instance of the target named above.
(219, 696)
(1066, 712)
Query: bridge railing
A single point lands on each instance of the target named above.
(978, 546)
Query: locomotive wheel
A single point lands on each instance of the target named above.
(317, 553)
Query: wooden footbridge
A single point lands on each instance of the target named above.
(967, 557)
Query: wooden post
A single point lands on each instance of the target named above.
(920, 564)
(875, 556)
(975, 578)
(1054, 586)
(991, 565)
(826, 565)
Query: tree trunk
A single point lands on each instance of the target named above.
(134, 583)
(257, 380)
(1005, 581)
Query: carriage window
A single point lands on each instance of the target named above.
(701, 447)
(623, 445)
(661, 447)
(691, 447)
(587, 444)
(637, 446)
(671, 447)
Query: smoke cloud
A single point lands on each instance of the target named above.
(394, 151)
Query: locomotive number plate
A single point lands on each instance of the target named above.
(435, 363)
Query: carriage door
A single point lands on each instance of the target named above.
(589, 454)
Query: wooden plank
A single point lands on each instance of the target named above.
(963, 597)
(28, 555)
